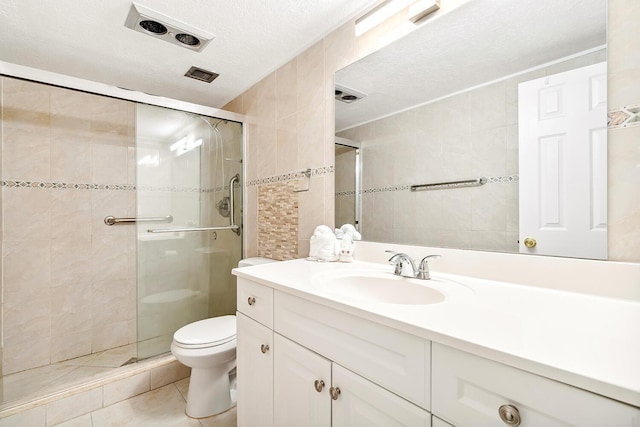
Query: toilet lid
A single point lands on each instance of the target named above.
(207, 332)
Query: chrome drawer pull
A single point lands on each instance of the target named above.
(264, 348)
(510, 415)
(251, 300)
(319, 385)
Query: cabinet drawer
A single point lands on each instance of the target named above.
(469, 390)
(396, 360)
(255, 301)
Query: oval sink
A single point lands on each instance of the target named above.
(382, 288)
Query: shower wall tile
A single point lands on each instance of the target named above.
(109, 163)
(69, 346)
(56, 138)
(26, 153)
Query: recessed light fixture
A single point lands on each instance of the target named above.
(420, 9)
(379, 14)
(347, 95)
(163, 27)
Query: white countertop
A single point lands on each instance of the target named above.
(589, 342)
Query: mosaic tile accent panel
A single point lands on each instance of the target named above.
(624, 117)
(278, 221)
(324, 170)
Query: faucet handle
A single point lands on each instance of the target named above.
(396, 259)
(423, 268)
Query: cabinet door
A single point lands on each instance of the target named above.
(362, 403)
(255, 373)
(298, 400)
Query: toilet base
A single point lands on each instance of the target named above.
(209, 392)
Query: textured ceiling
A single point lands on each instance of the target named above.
(480, 41)
(88, 39)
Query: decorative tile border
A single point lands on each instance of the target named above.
(624, 117)
(323, 170)
(490, 180)
(66, 186)
(43, 185)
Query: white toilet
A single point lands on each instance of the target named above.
(208, 347)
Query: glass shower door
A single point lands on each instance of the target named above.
(185, 163)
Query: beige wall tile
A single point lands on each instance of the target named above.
(82, 421)
(168, 374)
(35, 417)
(69, 346)
(26, 153)
(311, 76)
(73, 406)
(71, 215)
(70, 158)
(287, 89)
(126, 388)
(287, 145)
(27, 213)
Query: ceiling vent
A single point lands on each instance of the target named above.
(163, 27)
(202, 75)
(347, 95)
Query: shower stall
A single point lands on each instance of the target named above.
(121, 222)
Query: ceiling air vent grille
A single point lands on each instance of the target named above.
(202, 75)
(347, 95)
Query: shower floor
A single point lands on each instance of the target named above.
(41, 381)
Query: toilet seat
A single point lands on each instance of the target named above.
(206, 333)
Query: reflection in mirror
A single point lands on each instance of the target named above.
(483, 91)
(348, 179)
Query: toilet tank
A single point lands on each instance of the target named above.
(254, 261)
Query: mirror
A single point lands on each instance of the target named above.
(450, 102)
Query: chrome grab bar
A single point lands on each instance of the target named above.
(450, 184)
(232, 225)
(235, 228)
(112, 220)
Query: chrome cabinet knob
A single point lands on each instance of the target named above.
(530, 242)
(251, 300)
(334, 392)
(510, 415)
(319, 385)
(264, 348)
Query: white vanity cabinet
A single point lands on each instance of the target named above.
(307, 388)
(471, 391)
(294, 354)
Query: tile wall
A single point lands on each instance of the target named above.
(68, 279)
(624, 130)
(466, 136)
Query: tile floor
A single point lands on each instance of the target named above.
(162, 407)
(59, 376)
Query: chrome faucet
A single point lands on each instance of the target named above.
(423, 269)
(400, 259)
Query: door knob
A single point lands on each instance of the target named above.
(530, 242)
(264, 348)
(319, 385)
